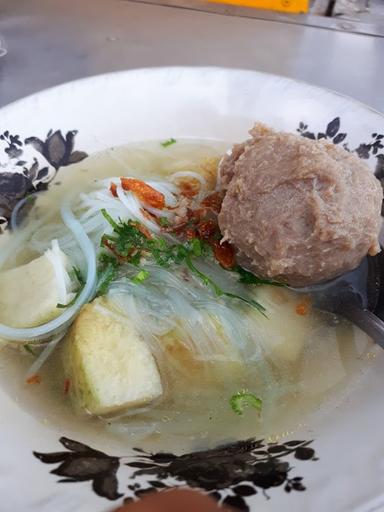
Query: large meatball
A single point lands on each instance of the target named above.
(298, 210)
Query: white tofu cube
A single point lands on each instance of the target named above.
(29, 293)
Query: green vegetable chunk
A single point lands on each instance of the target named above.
(164, 222)
(244, 399)
(168, 142)
(29, 349)
(141, 276)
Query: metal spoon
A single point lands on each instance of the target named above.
(358, 296)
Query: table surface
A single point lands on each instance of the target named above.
(54, 41)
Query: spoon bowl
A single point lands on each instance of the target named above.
(357, 296)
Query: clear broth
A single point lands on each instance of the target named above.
(331, 357)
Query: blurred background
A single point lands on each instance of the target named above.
(337, 44)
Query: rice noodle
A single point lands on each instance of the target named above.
(44, 355)
(134, 208)
(15, 212)
(169, 190)
(56, 258)
(159, 213)
(125, 206)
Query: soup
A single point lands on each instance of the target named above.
(170, 339)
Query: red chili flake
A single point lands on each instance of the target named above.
(303, 307)
(113, 189)
(67, 385)
(213, 201)
(34, 379)
(144, 192)
(225, 254)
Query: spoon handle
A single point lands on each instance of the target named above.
(366, 321)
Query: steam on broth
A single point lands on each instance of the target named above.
(210, 344)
